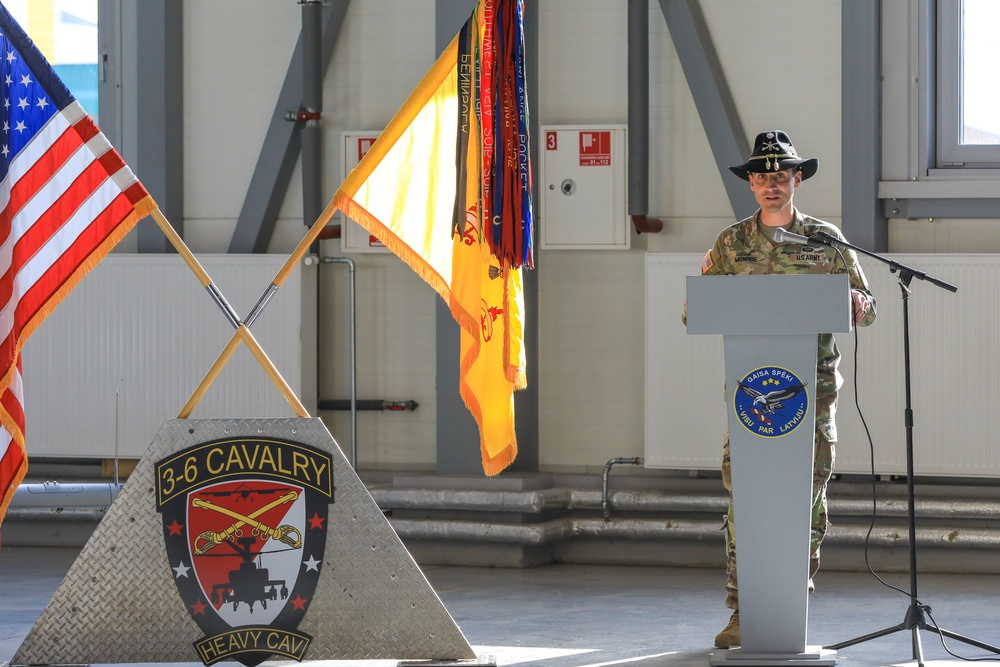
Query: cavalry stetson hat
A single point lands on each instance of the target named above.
(773, 151)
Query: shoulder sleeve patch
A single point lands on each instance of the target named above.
(707, 263)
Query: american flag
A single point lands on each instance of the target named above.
(66, 198)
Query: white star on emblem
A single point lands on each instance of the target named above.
(11, 57)
(42, 103)
(181, 570)
(6, 126)
(25, 79)
(8, 80)
(22, 102)
(20, 127)
(311, 564)
(5, 150)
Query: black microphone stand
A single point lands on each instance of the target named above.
(914, 620)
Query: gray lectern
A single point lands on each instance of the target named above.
(770, 325)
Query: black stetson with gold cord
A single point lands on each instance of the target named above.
(773, 151)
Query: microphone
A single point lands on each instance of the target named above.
(783, 236)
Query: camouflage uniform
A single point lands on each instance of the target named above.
(746, 249)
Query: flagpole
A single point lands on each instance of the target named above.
(242, 329)
(242, 333)
(272, 372)
(178, 243)
(206, 382)
(291, 262)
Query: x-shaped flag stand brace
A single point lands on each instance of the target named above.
(242, 327)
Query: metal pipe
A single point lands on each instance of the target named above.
(605, 500)
(101, 494)
(455, 500)
(354, 356)
(220, 301)
(262, 302)
(117, 397)
(69, 521)
(554, 530)
(367, 404)
(60, 496)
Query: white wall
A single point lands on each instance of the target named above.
(235, 57)
(782, 61)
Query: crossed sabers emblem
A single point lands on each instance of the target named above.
(209, 539)
(242, 327)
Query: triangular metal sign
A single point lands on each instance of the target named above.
(243, 540)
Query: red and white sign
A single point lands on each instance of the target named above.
(551, 141)
(364, 143)
(595, 148)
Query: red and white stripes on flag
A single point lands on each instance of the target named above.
(67, 199)
(13, 461)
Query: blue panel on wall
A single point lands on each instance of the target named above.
(82, 82)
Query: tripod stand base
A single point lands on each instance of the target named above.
(915, 622)
(902, 627)
(813, 656)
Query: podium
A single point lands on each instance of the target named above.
(770, 324)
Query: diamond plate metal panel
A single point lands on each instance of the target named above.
(118, 602)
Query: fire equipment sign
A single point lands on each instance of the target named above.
(595, 149)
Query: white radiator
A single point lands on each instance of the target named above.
(131, 343)
(954, 363)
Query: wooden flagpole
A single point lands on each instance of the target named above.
(293, 260)
(242, 334)
(206, 382)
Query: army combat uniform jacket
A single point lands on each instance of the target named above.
(746, 248)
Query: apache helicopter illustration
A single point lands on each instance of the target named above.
(250, 582)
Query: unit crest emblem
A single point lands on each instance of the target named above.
(245, 524)
(770, 402)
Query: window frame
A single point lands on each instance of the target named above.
(951, 153)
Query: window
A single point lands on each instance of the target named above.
(969, 84)
(65, 31)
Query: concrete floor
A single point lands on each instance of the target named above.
(594, 616)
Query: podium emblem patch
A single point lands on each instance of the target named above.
(770, 402)
(245, 522)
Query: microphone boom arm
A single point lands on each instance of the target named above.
(906, 273)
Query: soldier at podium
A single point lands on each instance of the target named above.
(774, 171)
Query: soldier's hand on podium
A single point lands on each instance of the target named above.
(861, 304)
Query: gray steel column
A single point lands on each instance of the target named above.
(638, 107)
(109, 72)
(142, 104)
(638, 118)
(312, 104)
(281, 144)
(861, 132)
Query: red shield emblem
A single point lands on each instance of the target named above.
(245, 528)
(245, 542)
